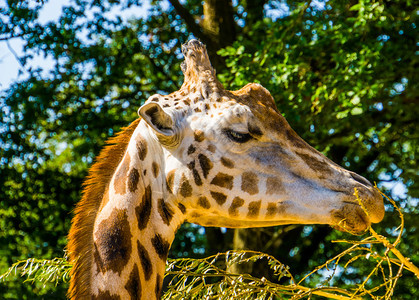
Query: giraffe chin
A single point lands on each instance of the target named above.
(351, 218)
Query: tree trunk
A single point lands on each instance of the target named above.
(253, 239)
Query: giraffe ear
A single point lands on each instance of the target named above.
(157, 118)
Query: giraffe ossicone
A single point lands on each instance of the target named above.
(209, 156)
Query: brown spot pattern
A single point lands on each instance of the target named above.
(205, 163)
(141, 147)
(143, 211)
(295, 140)
(169, 180)
(315, 164)
(105, 295)
(273, 186)
(145, 260)
(223, 180)
(282, 207)
(195, 173)
(133, 285)
(237, 202)
(227, 163)
(199, 135)
(191, 149)
(158, 286)
(211, 148)
(219, 197)
(271, 210)
(254, 208)
(121, 175)
(165, 211)
(161, 246)
(195, 215)
(113, 241)
(98, 260)
(250, 183)
(203, 202)
(155, 168)
(185, 187)
(182, 208)
(133, 179)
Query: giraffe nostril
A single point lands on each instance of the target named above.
(360, 179)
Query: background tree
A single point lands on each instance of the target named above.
(343, 73)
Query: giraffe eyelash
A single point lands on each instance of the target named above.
(237, 137)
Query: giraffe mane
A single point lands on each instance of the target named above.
(80, 238)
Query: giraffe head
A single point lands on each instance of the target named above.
(232, 160)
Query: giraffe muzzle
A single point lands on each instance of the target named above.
(356, 215)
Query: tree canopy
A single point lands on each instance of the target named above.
(343, 73)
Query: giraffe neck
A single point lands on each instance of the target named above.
(134, 226)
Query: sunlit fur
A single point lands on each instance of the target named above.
(209, 156)
(80, 238)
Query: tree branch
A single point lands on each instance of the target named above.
(189, 20)
(7, 38)
(15, 55)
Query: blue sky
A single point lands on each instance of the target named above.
(9, 66)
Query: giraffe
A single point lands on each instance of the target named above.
(208, 156)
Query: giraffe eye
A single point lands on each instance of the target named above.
(237, 137)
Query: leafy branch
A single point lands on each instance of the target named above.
(55, 270)
(210, 278)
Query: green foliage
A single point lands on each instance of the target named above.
(45, 271)
(345, 77)
(330, 69)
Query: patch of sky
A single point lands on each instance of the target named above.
(87, 159)
(383, 38)
(390, 182)
(329, 274)
(318, 5)
(10, 68)
(399, 87)
(378, 106)
(277, 10)
(294, 251)
(307, 230)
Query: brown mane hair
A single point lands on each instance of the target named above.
(80, 238)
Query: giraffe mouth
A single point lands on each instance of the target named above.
(351, 218)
